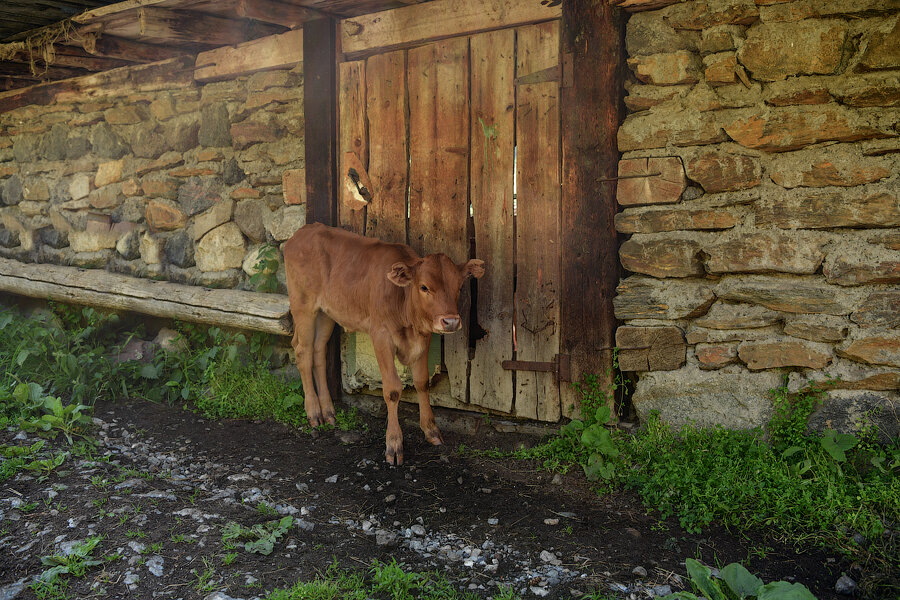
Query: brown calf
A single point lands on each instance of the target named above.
(384, 290)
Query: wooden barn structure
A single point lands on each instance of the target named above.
(481, 128)
(709, 185)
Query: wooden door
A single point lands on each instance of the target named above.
(460, 139)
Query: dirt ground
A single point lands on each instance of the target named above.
(173, 480)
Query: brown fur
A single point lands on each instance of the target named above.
(374, 287)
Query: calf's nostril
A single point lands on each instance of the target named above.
(450, 322)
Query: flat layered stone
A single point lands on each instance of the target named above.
(775, 51)
(648, 33)
(765, 252)
(656, 221)
(688, 127)
(827, 173)
(702, 15)
(819, 328)
(247, 133)
(648, 298)
(790, 128)
(826, 210)
(720, 69)
(716, 356)
(791, 295)
(782, 353)
(874, 350)
(92, 241)
(720, 38)
(160, 188)
(723, 315)
(869, 91)
(282, 223)
(673, 68)
(879, 309)
(842, 269)
(650, 181)
(662, 257)
(650, 348)
(883, 49)
(162, 214)
(889, 239)
(731, 397)
(700, 335)
(720, 172)
(644, 97)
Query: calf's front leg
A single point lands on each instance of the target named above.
(391, 387)
(426, 415)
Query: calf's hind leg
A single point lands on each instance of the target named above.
(324, 327)
(304, 336)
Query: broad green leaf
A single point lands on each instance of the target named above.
(836, 444)
(701, 576)
(741, 581)
(149, 371)
(602, 415)
(782, 590)
(262, 546)
(680, 596)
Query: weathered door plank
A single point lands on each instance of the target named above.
(493, 123)
(537, 226)
(438, 80)
(388, 151)
(354, 138)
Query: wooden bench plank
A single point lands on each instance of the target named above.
(231, 308)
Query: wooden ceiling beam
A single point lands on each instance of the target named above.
(23, 71)
(110, 46)
(73, 56)
(279, 13)
(199, 28)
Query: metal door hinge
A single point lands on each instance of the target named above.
(560, 366)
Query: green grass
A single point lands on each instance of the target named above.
(252, 392)
(391, 580)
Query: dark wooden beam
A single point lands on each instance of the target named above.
(73, 56)
(593, 40)
(272, 11)
(320, 112)
(184, 27)
(115, 47)
(23, 70)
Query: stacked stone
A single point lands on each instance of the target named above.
(761, 194)
(183, 183)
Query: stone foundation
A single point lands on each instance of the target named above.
(763, 236)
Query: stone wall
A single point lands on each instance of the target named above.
(761, 208)
(170, 179)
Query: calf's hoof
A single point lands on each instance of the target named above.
(328, 417)
(394, 455)
(434, 437)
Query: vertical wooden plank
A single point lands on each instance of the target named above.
(438, 76)
(388, 141)
(320, 128)
(537, 225)
(492, 148)
(354, 138)
(593, 37)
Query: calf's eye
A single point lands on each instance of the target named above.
(424, 288)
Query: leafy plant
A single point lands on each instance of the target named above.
(598, 442)
(70, 419)
(75, 564)
(264, 278)
(261, 538)
(739, 584)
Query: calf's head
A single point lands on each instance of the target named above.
(433, 285)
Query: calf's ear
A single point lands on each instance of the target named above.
(401, 274)
(474, 268)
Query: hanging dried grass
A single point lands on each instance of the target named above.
(39, 46)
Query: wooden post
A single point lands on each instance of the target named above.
(593, 58)
(320, 134)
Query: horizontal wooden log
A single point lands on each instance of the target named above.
(642, 5)
(116, 47)
(280, 13)
(280, 51)
(437, 20)
(269, 313)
